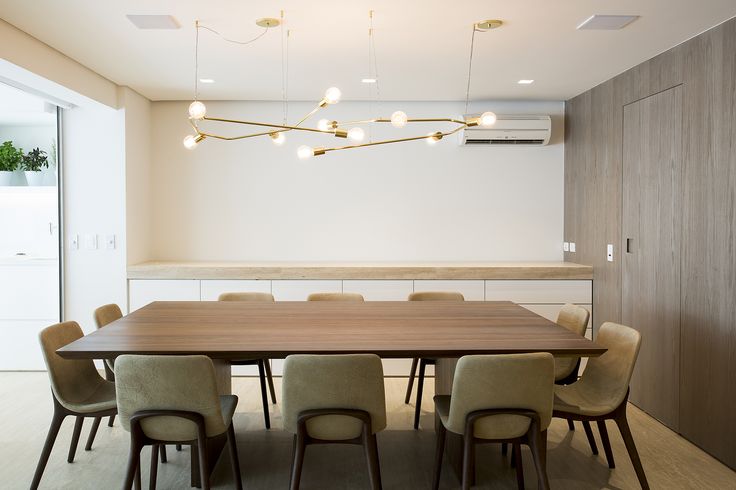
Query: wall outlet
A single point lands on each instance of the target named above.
(90, 242)
(609, 252)
(565, 246)
(572, 247)
(110, 242)
(74, 242)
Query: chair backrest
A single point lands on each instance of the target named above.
(72, 380)
(513, 381)
(574, 318)
(185, 383)
(255, 297)
(107, 314)
(335, 297)
(352, 381)
(610, 373)
(436, 296)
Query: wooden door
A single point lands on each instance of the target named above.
(651, 195)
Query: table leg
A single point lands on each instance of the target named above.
(223, 373)
(444, 372)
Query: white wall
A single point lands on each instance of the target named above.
(248, 200)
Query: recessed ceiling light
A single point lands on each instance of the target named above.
(206, 80)
(368, 80)
(607, 22)
(154, 21)
(525, 82)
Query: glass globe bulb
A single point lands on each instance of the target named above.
(433, 138)
(190, 142)
(304, 152)
(332, 95)
(323, 124)
(488, 119)
(278, 138)
(398, 119)
(356, 134)
(197, 110)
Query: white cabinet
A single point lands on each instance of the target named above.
(212, 289)
(29, 289)
(540, 291)
(380, 290)
(144, 291)
(471, 290)
(20, 349)
(298, 290)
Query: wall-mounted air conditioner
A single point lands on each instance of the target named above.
(509, 130)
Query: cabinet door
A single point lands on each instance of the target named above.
(651, 248)
(144, 291)
(299, 290)
(212, 289)
(540, 292)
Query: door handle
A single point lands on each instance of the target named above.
(629, 245)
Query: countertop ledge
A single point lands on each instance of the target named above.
(365, 271)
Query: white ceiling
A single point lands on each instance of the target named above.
(422, 45)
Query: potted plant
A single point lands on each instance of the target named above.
(10, 159)
(33, 162)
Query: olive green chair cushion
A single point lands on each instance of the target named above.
(75, 382)
(575, 319)
(514, 381)
(605, 381)
(353, 381)
(185, 383)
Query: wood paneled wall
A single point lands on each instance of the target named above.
(705, 66)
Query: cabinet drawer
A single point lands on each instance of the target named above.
(540, 292)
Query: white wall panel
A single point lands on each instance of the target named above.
(144, 291)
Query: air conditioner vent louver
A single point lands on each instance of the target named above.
(510, 130)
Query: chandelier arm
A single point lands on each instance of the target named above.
(282, 127)
(387, 142)
(384, 120)
(233, 138)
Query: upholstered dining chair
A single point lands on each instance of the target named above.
(335, 297)
(264, 365)
(104, 315)
(425, 361)
(602, 391)
(173, 400)
(501, 398)
(77, 390)
(334, 399)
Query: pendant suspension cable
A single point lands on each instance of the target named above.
(234, 41)
(283, 70)
(470, 67)
(196, 60)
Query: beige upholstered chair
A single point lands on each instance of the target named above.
(104, 315)
(502, 398)
(425, 361)
(575, 319)
(603, 390)
(331, 399)
(173, 399)
(77, 389)
(335, 297)
(264, 365)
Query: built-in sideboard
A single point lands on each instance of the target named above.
(540, 287)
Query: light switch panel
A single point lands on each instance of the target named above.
(74, 242)
(572, 247)
(609, 252)
(110, 242)
(565, 246)
(90, 242)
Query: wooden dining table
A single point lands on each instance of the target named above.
(226, 331)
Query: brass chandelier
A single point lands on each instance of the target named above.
(350, 130)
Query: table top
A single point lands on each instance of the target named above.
(398, 329)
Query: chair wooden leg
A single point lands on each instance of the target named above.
(56, 421)
(438, 454)
(623, 427)
(264, 395)
(420, 391)
(132, 471)
(370, 445)
(296, 468)
(234, 460)
(591, 438)
(92, 433)
(570, 424)
(468, 461)
(162, 452)
(606, 443)
(269, 378)
(111, 421)
(412, 374)
(75, 438)
(538, 443)
(154, 467)
(204, 468)
(504, 448)
(519, 466)
(178, 447)
(138, 485)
